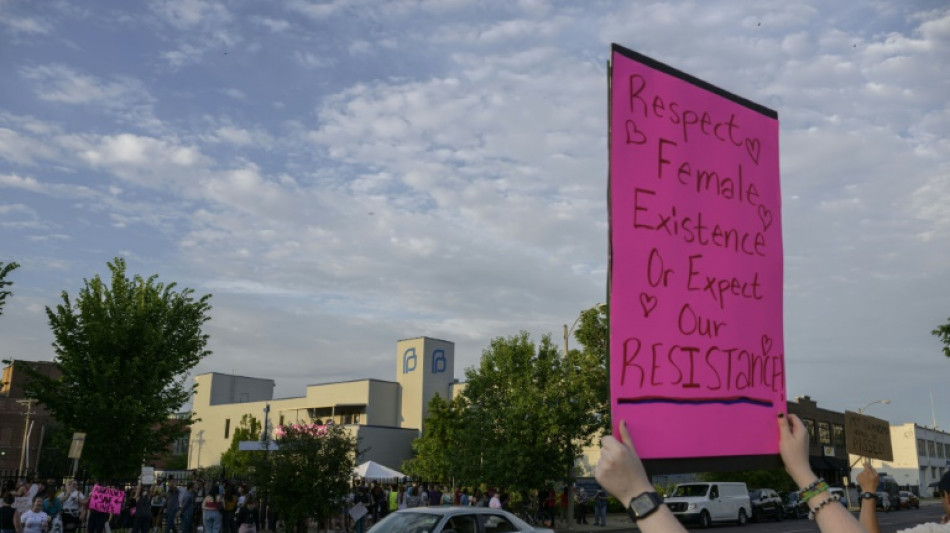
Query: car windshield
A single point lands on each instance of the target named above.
(690, 490)
(755, 494)
(407, 522)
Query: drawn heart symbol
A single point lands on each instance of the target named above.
(754, 147)
(634, 135)
(648, 303)
(765, 215)
(766, 344)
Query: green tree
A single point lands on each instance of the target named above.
(310, 473)
(592, 333)
(943, 333)
(5, 268)
(124, 351)
(528, 414)
(241, 463)
(435, 453)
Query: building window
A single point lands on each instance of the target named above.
(933, 472)
(930, 446)
(838, 434)
(227, 428)
(940, 450)
(810, 424)
(946, 449)
(824, 432)
(921, 448)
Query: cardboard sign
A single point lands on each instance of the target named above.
(22, 503)
(867, 436)
(106, 499)
(75, 446)
(696, 341)
(148, 475)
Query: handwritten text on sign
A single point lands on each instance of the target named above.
(696, 265)
(867, 436)
(106, 499)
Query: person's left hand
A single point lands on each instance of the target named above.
(868, 479)
(620, 470)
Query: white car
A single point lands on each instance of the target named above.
(454, 519)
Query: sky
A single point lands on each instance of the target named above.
(344, 174)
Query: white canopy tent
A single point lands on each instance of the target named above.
(374, 471)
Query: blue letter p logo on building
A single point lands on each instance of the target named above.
(438, 361)
(409, 360)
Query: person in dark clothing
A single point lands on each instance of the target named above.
(6, 514)
(142, 521)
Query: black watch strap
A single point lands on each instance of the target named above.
(868, 496)
(644, 505)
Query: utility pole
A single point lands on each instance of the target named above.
(29, 403)
(570, 468)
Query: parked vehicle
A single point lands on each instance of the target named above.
(909, 500)
(793, 507)
(888, 494)
(766, 503)
(457, 519)
(705, 503)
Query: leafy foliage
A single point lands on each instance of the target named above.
(943, 333)
(593, 333)
(241, 463)
(436, 452)
(5, 268)
(124, 351)
(528, 413)
(311, 472)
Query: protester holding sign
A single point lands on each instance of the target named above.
(72, 506)
(621, 472)
(35, 520)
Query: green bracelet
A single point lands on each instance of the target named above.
(814, 489)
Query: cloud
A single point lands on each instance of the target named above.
(23, 150)
(124, 97)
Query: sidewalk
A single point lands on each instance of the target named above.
(615, 522)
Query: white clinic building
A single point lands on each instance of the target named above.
(386, 416)
(921, 457)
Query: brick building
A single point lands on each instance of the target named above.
(13, 418)
(826, 448)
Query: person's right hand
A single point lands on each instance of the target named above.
(793, 446)
(620, 470)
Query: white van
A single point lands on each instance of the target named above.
(705, 503)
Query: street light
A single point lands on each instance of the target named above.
(861, 410)
(570, 468)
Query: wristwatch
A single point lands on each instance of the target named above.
(644, 505)
(868, 496)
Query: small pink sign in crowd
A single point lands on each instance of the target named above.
(106, 499)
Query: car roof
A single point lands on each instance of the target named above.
(455, 509)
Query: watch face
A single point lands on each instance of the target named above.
(643, 504)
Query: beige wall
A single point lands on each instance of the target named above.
(424, 367)
(385, 415)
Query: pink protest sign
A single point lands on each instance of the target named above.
(106, 499)
(697, 356)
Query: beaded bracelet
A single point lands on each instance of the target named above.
(814, 489)
(815, 509)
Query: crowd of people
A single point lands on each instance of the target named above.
(370, 501)
(162, 508)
